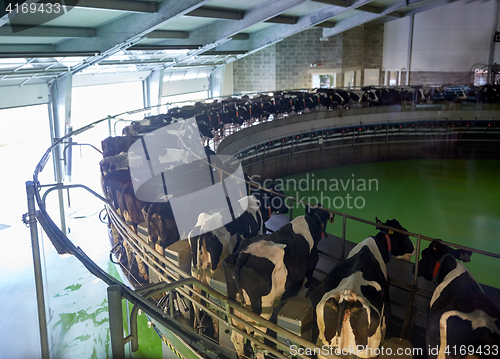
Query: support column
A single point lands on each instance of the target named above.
(116, 321)
(491, 57)
(60, 122)
(35, 248)
(410, 48)
(153, 90)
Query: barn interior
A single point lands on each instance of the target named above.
(64, 66)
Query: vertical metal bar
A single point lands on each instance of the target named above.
(344, 223)
(410, 48)
(35, 248)
(491, 57)
(109, 126)
(171, 303)
(116, 321)
(134, 339)
(408, 321)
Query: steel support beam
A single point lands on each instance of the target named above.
(282, 19)
(363, 18)
(276, 33)
(153, 89)
(122, 5)
(46, 31)
(164, 34)
(126, 31)
(25, 49)
(327, 24)
(224, 29)
(217, 13)
(164, 47)
(367, 8)
(241, 36)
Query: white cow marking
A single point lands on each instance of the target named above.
(370, 243)
(300, 226)
(460, 269)
(478, 319)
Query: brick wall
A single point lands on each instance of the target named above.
(294, 56)
(256, 72)
(286, 64)
(352, 47)
(373, 47)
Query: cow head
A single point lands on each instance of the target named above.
(400, 245)
(434, 255)
(321, 215)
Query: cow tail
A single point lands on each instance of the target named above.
(343, 305)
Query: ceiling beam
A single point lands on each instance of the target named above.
(121, 33)
(126, 31)
(164, 47)
(25, 49)
(271, 35)
(220, 30)
(241, 36)
(52, 70)
(341, 3)
(283, 19)
(327, 24)
(366, 8)
(217, 13)
(164, 34)
(222, 53)
(360, 19)
(30, 55)
(46, 31)
(120, 5)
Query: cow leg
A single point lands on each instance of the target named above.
(239, 343)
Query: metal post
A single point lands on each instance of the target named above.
(491, 57)
(344, 222)
(109, 126)
(410, 48)
(116, 321)
(410, 310)
(35, 248)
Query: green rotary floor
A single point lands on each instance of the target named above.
(454, 200)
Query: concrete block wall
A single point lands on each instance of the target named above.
(294, 56)
(373, 46)
(287, 64)
(352, 47)
(256, 72)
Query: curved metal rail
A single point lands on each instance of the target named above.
(184, 286)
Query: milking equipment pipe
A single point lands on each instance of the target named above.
(35, 248)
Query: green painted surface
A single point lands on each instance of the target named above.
(454, 200)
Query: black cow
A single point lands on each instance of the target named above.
(270, 269)
(355, 307)
(461, 320)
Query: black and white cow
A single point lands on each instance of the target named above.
(461, 319)
(210, 247)
(270, 269)
(354, 310)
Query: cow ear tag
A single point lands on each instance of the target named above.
(391, 231)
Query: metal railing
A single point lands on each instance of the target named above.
(163, 268)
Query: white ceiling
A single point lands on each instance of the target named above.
(124, 36)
